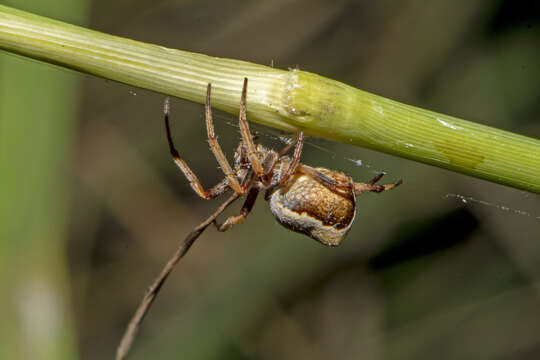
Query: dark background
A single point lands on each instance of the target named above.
(422, 274)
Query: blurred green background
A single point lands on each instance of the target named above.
(91, 205)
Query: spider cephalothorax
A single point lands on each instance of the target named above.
(317, 202)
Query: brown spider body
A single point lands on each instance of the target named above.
(317, 202)
(302, 204)
(306, 206)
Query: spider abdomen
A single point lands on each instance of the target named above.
(306, 206)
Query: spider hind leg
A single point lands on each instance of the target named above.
(373, 187)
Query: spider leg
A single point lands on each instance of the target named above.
(219, 189)
(358, 187)
(362, 187)
(246, 134)
(269, 162)
(288, 147)
(322, 178)
(190, 175)
(194, 181)
(216, 149)
(244, 212)
(295, 160)
(371, 186)
(376, 178)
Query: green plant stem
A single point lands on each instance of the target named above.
(289, 100)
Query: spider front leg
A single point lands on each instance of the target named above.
(295, 159)
(216, 149)
(290, 145)
(229, 182)
(246, 134)
(244, 212)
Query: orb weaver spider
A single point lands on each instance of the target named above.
(314, 201)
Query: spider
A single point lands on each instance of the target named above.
(314, 201)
